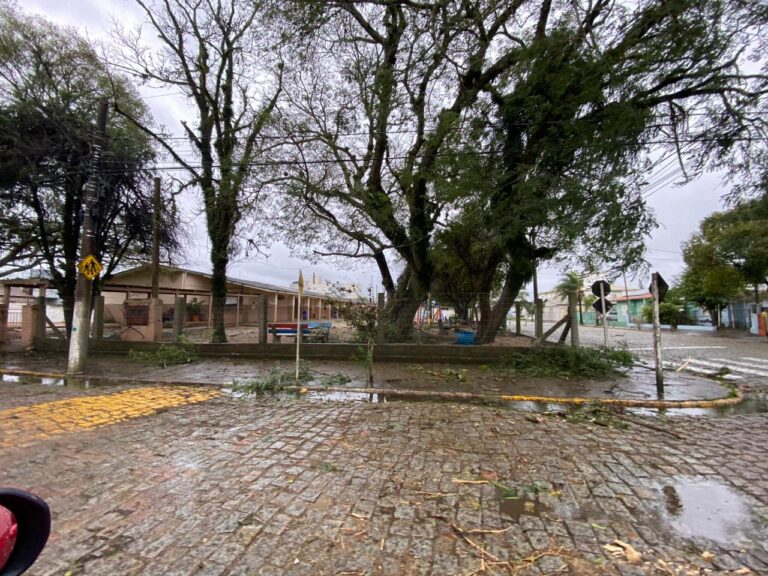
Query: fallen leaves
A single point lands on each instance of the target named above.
(620, 548)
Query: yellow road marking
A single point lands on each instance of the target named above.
(26, 424)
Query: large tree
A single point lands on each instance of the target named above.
(50, 84)
(729, 252)
(393, 97)
(215, 55)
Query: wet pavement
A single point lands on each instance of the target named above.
(636, 384)
(148, 479)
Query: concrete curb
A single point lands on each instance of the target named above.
(435, 394)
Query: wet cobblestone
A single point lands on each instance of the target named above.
(267, 486)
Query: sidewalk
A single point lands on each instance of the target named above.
(638, 386)
(223, 486)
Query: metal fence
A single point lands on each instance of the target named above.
(436, 319)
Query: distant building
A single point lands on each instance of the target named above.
(343, 290)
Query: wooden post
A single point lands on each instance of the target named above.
(603, 311)
(380, 333)
(98, 316)
(573, 314)
(274, 316)
(539, 318)
(518, 310)
(179, 310)
(263, 318)
(657, 336)
(299, 326)
(156, 239)
(41, 314)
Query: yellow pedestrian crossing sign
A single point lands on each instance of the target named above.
(90, 267)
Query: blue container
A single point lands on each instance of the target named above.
(465, 337)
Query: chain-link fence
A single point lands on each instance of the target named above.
(435, 319)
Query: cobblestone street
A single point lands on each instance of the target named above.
(208, 484)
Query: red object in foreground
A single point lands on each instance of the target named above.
(9, 529)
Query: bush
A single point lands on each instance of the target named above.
(565, 362)
(167, 355)
(275, 380)
(669, 313)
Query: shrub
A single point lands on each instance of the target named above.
(167, 355)
(566, 362)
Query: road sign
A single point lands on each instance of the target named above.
(598, 305)
(596, 288)
(663, 286)
(90, 267)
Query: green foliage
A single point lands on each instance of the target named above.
(513, 492)
(275, 380)
(328, 467)
(51, 81)
(363, 317)
(671, 313)
(338, 379)
(167, 355)
(566, 362)
(730, 250)
(194, 306)
(708, 279)
(596, 413)
(571, 283)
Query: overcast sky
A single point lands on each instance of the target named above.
(678, 209)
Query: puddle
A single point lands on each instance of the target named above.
(752, 404)
(698, 508)
(79, 383)
(535, 406)
(16, 379)
(524, 505)
(346, 397)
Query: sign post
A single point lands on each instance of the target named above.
(601, 289)
(658, 289)
(299, 325)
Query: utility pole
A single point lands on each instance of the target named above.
(81, 316)
(603, 312)
(156, 240)
(657, 336)
(299, 326)
(626, 296)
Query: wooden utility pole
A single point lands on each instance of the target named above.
(657, 335)
(81, 316)
(604, 312)
(298, 326)
(156, 240)
(573, 314)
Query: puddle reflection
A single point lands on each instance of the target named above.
(699, 508)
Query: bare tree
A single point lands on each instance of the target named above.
(210, 52)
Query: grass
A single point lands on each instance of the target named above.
(566, 362)
(166, 355)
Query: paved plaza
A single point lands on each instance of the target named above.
(181, 480)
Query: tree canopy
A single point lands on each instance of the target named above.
(729, 252)
(50, 84)
(408, 117)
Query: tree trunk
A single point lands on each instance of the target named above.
(401, 309)
(520, 271)
(219, 294)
